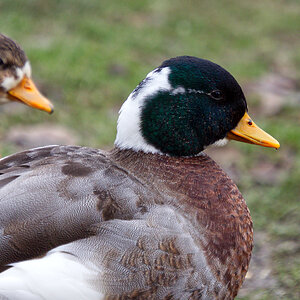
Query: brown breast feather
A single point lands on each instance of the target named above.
(210, 199)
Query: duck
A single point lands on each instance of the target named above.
(15, 77)
(152, 218)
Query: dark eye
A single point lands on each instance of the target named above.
(217, 95)
(1, 62)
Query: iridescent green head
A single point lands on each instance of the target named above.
(180, 108)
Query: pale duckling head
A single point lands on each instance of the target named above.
(15, 77)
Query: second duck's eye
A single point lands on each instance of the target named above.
(217, 95)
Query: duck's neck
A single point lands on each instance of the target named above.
(150, 166)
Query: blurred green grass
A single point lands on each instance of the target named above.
(87, 56)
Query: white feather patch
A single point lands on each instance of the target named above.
(128, 130)
(27, 69)
(179, 90)
(10, 82)
(220, 143)
(58, 276)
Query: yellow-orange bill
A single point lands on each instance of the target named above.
(27, 92)
(248, 132)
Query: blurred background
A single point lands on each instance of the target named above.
(87, 56)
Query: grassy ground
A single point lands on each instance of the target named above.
(87, 56)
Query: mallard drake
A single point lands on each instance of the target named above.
(15, 77)
(154, 218)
